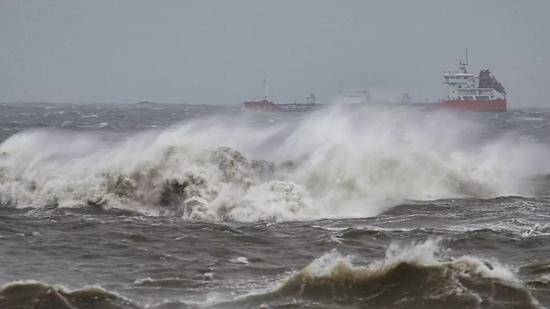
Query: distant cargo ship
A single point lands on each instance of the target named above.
(468, 92)
(265, 105)
(262, 105)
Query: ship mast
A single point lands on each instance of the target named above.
(463, 64)
(265, 89)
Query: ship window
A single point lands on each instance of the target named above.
(459, 86)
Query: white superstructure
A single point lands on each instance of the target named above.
(462, 85)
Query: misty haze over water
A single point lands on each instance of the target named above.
(218, 52)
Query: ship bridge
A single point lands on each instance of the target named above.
(471, 92)
(463, 85)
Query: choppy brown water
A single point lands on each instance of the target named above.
(273, 210)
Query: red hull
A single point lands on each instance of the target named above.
(262, 106)
(475, 105)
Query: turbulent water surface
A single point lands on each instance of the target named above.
(175, 206)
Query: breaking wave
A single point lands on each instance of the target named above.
(333, 163)
(33, 294)
(414, 276)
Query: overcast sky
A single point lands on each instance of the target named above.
(218, 52)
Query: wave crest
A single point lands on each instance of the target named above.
(32, 294)
(410, 277)
(325, 165)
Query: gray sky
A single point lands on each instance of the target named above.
(218, 52)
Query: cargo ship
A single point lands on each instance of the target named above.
(468, 92)
(266, 105)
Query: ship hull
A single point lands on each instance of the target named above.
(475, 105)
(262, 106)
(268, 106)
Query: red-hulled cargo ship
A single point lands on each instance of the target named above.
(265, 105)
(468, 92)
(262, 106)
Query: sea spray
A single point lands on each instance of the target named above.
(332, 163)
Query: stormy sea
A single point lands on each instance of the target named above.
(168, 206)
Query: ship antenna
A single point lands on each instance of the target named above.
(265, 89)
(463, 64)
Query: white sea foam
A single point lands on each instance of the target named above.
(412, 275)
(29, 293)
(427, 253)
(344, 164)
(239, 260)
